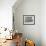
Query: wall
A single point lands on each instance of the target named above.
(29, 7)
(43, 22)
(6, 13)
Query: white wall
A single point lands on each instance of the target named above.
(36, 32)
(43, 22)
(29, 7)
(6, 13)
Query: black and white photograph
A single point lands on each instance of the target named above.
(29, 19)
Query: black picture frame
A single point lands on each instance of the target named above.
(28, 19)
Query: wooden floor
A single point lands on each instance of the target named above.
(9, 43)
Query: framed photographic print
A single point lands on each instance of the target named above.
(28, 19)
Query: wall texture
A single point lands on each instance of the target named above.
(29, 7)
(43, 22)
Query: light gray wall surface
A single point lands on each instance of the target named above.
(29, 7)
(6, 13)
